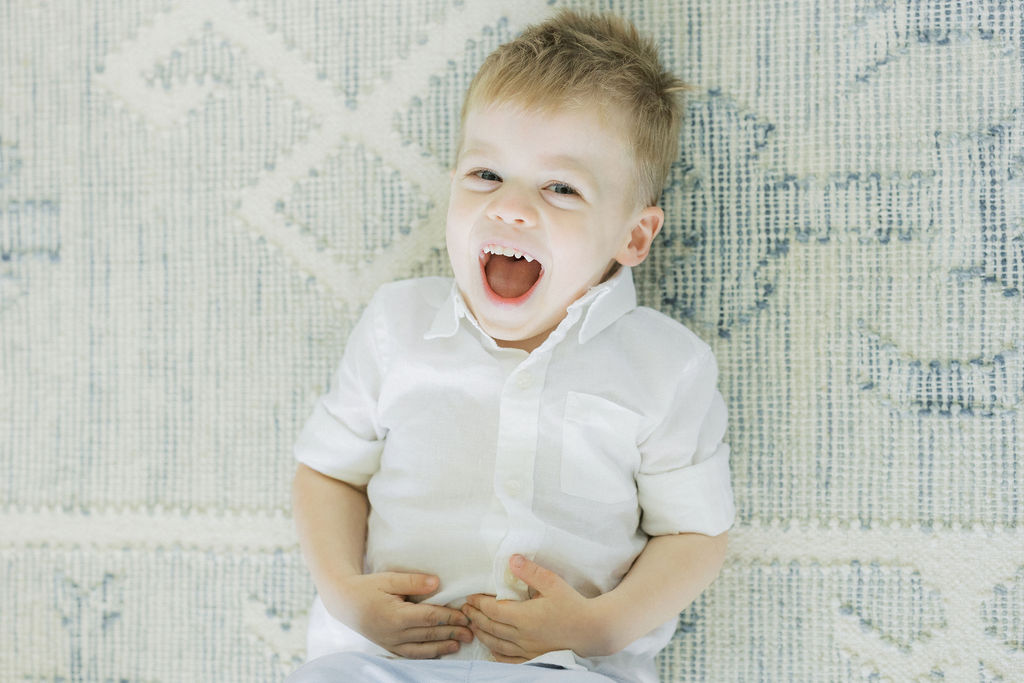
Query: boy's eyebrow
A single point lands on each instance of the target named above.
(557, 161)
(472, 151)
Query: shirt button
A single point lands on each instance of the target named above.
(524, 380)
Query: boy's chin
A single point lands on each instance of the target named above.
(526, 338)
(503, 334)
(527, 345)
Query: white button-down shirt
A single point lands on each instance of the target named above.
(573, 455)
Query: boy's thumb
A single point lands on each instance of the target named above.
(541, 580)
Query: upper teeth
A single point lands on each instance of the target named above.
(507, 251)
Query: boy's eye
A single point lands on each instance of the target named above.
(489, 176)
(562, 188)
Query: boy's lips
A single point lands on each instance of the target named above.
(509, 275)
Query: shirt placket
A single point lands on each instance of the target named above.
(516, 524)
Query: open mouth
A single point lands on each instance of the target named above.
(510, 275)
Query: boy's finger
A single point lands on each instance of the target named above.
(492, 608)
(398, 583)
(482, 602)
(481, 623)
(416, 616)
(475, 598)
(430, 634)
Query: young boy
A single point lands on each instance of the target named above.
(522, 466)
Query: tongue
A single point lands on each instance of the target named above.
(510, 277)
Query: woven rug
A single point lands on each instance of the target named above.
(197, 198)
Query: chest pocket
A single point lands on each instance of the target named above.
(599, 454)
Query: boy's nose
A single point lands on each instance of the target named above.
(510, 207)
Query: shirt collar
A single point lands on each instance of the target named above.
(606, 303)
(600, 307)
(446, 322)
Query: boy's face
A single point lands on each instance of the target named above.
(541, 209)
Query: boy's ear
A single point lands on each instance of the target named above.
(646, 226)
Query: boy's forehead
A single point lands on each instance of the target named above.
(574, 125)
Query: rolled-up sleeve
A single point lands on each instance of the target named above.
(343, 438)
(684, 483)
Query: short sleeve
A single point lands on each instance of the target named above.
(343, 438)
(684, 482)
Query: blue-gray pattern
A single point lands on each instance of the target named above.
(197, 198)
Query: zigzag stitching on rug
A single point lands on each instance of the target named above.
(142, 530)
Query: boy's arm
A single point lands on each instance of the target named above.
(330, 517)
(665, 578)
(670, 573)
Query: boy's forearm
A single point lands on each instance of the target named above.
(664, 580)
(330, 517)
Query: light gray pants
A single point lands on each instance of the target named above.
(358, 667)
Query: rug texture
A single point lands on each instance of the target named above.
(198, 197)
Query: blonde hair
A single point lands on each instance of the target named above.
(571, 61)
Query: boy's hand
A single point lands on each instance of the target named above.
(375, 605)
(556, 618)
